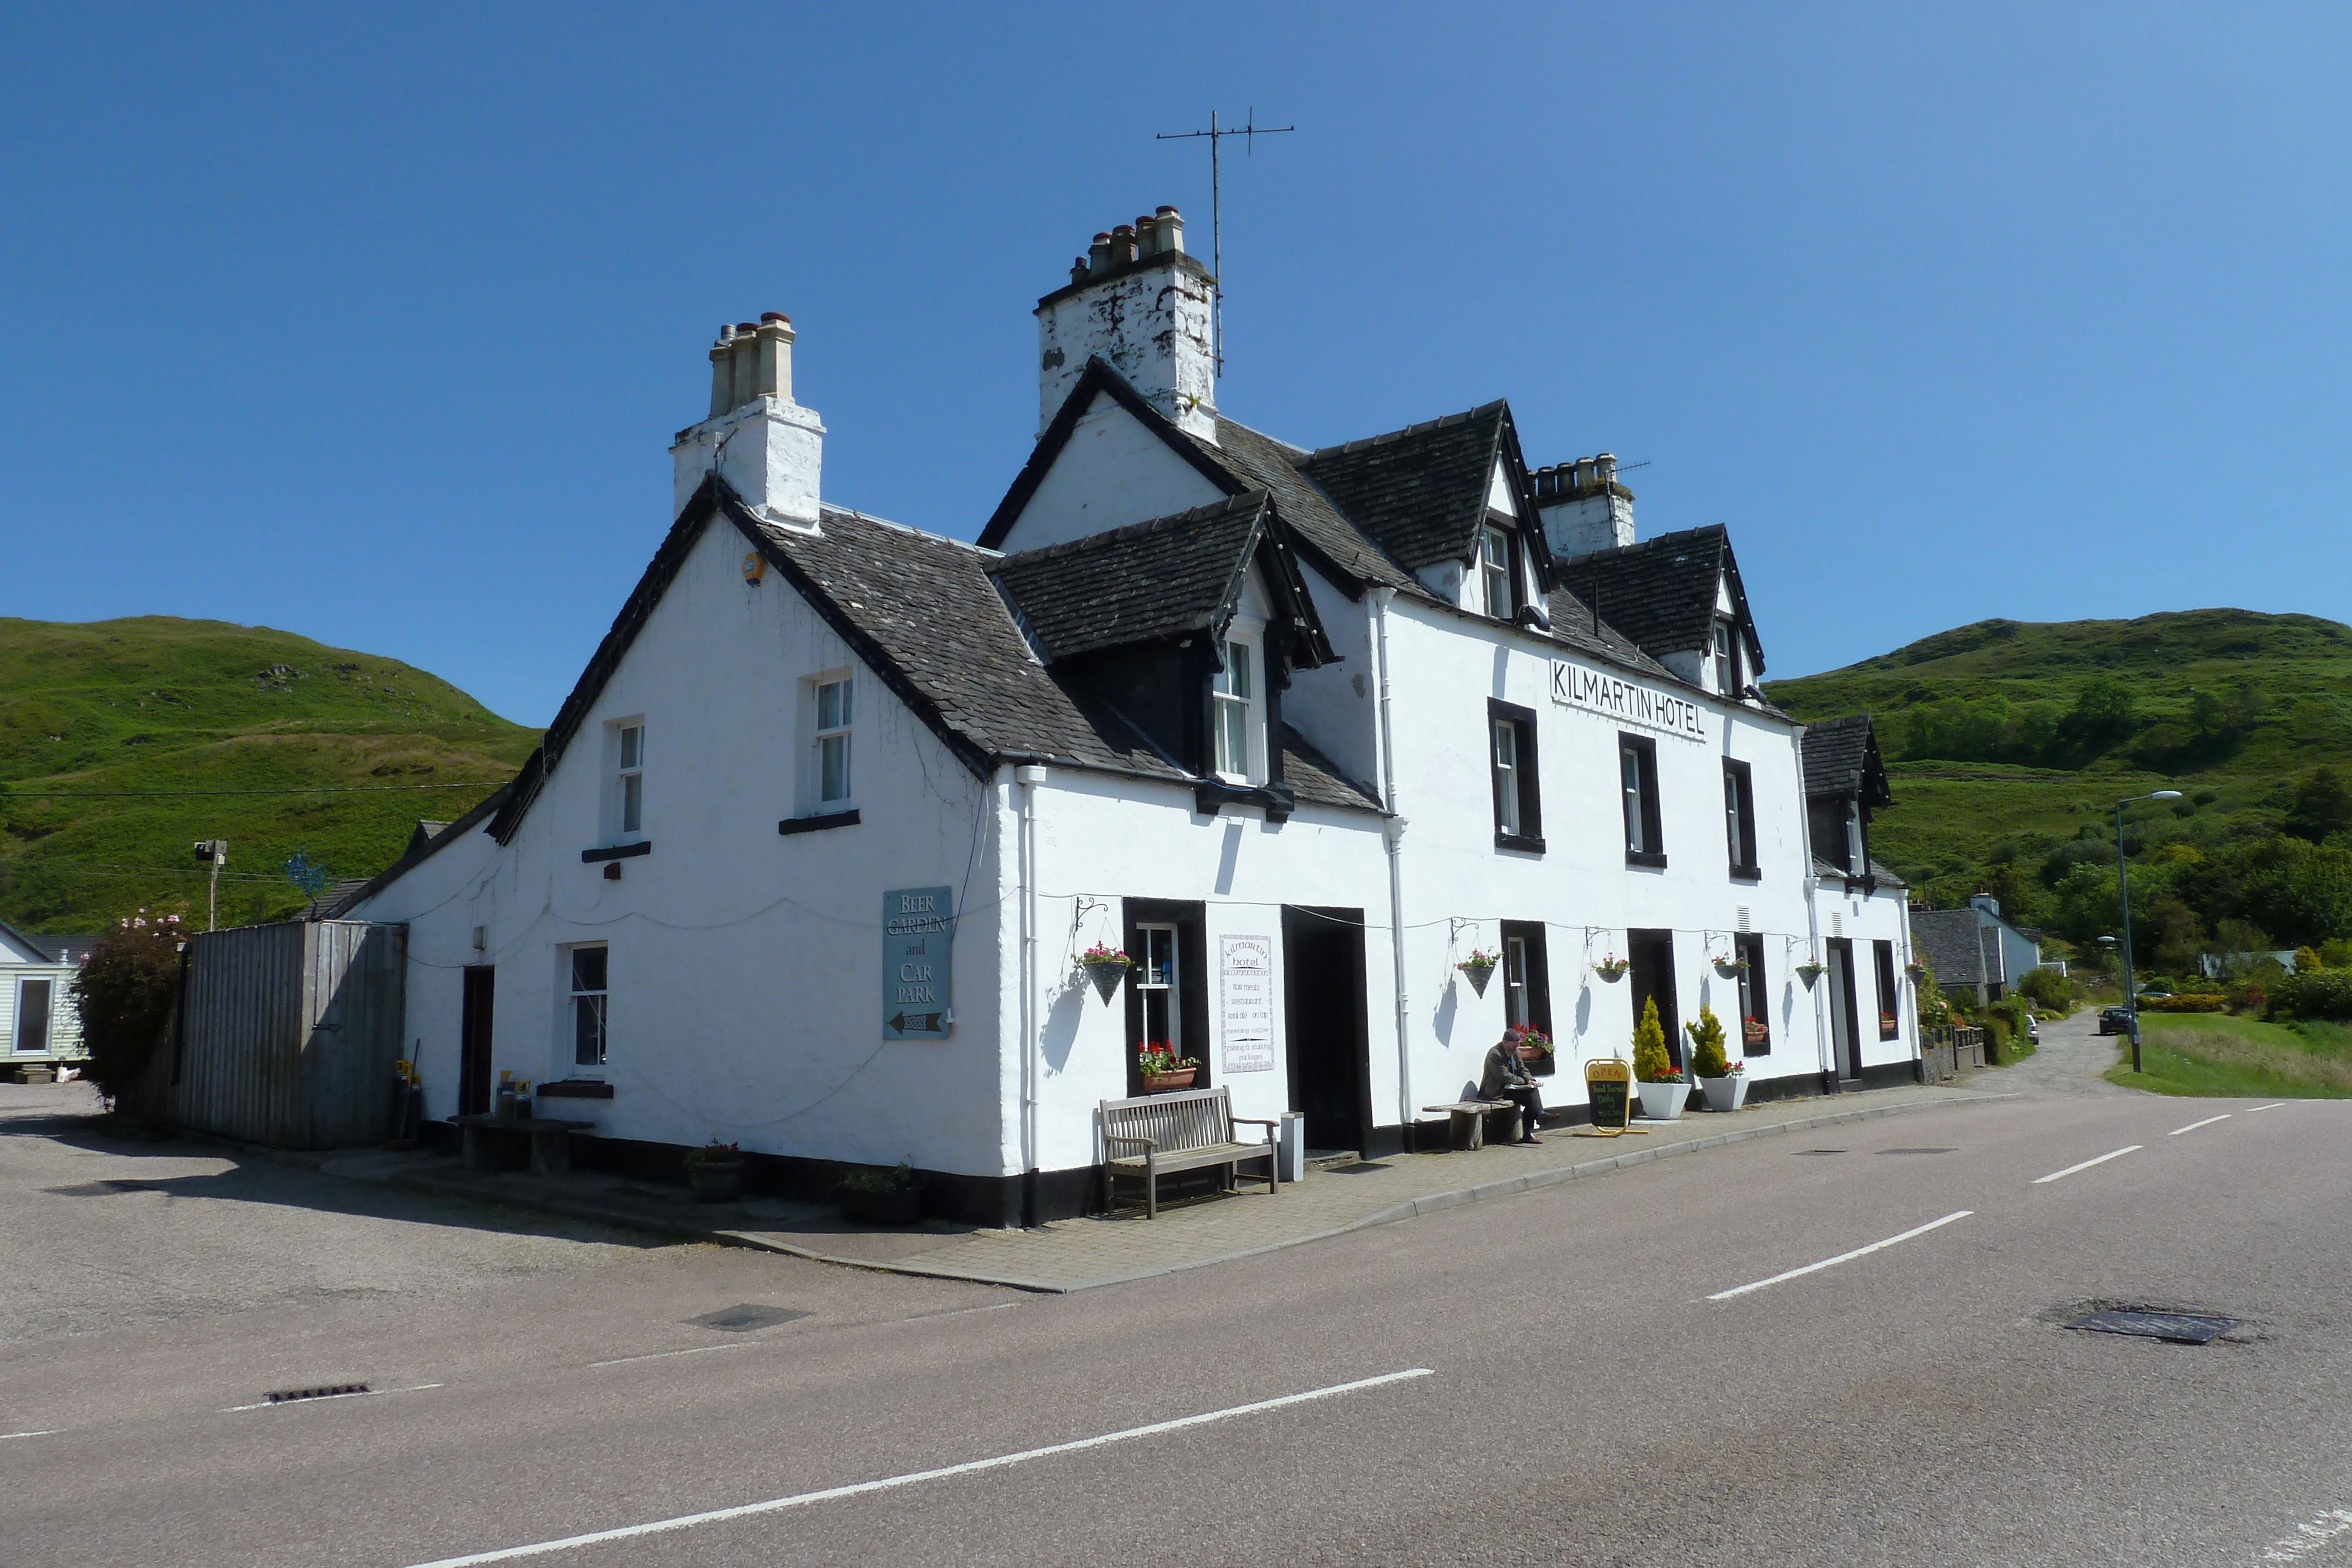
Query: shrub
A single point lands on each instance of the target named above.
(2199, 1002)
(125, 991)
(2323, 994)
(2048, 989)
(1706, 1045)
(1651, 1063)
(1998, 1032)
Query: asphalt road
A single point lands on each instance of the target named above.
(1584, 1400)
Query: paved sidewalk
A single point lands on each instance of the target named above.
(1077, 1254)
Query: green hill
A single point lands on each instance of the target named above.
(2010, 742)
(100, 722)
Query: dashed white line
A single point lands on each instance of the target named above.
(690, 1350)
(2271, 1106)
(2194, 1126)
(44, 1432)
(1841, 1258)
(326, 1399)
(802, 1499)
(2086, 1165)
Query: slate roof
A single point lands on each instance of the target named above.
(51, 949)
(1253, 460)
(1420, 492)
(1842, 758)
(1958, 947)
(1661, 591)
(1141, 584)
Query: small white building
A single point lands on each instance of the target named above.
(40, 1027)
(807, 860)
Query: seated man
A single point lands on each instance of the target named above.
(1507, 1077)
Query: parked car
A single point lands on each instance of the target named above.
(2114, 1020)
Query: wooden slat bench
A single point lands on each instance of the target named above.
(1191, 1129)
(1467, 1128)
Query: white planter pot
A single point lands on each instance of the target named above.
(1725, 1093)
(1663, 1101)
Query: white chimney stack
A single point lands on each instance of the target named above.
(1142, 305)
(1583, 506)
(765, 445)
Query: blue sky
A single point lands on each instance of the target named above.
(375, 327)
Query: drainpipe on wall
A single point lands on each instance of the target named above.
(1026, 779)
(1812, 915)
(1392, 836)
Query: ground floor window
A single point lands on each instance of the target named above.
(1156, 976)
(1755, 999)
(33, 1015)
(1167, 991)
(589, 998)
(1890, 1005)
(1527, 983)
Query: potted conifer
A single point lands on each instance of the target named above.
(1663, 1088)
(1724, 1083)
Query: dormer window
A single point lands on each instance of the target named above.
(1235, 698)
(1496, 578)
(1727, 659)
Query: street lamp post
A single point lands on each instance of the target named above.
(2122, 896)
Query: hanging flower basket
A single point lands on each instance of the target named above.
(1611, 969)
(1916, 970)
(1106, 967)
(1811, 972)
(1480, 967)
(1729, 965)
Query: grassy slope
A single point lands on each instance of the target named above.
(155, 703)
(2215, 1054)
(1950, 817)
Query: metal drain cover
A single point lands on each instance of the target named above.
(747, 1317)
(1918, 1151)
(2180, 1328)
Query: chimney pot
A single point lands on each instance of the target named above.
(1099, 253)
(1122, 245)
(775, 315)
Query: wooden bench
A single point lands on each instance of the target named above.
(551, 1144)
(1188, 1130)
(1467, 1127)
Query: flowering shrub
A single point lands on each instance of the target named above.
(1103, 953)
(715, 1153)
(1529, 1035)
(125, 991)
(1159, 1058)
(1479, 959)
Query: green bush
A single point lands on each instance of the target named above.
(2048, 989)
(1651, 1063)
(125, 991)
(1998, 1032)
(2322, 994)
(1706, 1057)
(2198, 1002)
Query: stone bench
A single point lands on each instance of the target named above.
(1466, 1126)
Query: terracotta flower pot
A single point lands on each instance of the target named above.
(1160, 1082)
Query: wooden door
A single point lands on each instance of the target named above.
(474, 1038)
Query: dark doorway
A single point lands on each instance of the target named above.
(474, 1040)
(1324, 1025)
(1846, 1032)
(1652, 954)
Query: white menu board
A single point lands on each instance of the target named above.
(1245, 1003)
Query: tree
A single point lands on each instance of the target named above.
(1707, 1056)
(2179, 935)
(2323, 804)
(125, 991)
(1651, 1063)
(2104, 711)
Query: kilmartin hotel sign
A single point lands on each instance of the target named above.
(1572, 686)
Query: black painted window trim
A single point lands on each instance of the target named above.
(1747, 871)
(1526, 773)
(791, 825)
(618, 852)
(1652, 829)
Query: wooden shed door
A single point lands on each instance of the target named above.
(474, 1040)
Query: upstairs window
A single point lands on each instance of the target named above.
(1234, 719)
(1637, 773)
(832, 758)
(629, 781)
(1518, 797)
(587, 1003)
(1857, 855)
(1728, 674)
(1740, 817)
(1499, 582)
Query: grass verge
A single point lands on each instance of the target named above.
(2215, 1055)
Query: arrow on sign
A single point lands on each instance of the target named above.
(919, 1023)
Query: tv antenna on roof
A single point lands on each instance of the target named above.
(1249, 133)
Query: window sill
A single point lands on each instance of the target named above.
(818, 824)
(618, 852)
(1212, 795)
(1746, 874)
(1520, 844)
(1644, 858)
(575, 1089)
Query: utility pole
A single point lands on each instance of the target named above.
(214, 853)
(2123, 897)
(1249, 133)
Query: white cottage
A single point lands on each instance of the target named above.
(808, 858)
(40, 1027)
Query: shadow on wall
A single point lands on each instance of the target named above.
(1448, 1006)
(1062, 1020)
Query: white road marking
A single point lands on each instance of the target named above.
(2086, 1165)
(2310, 1537)
(803, 1500)
(326, 1399)
(2271, 1106)
(690, 1350)
(2194, 1126)
(46, 1432)
(1841, 1258)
